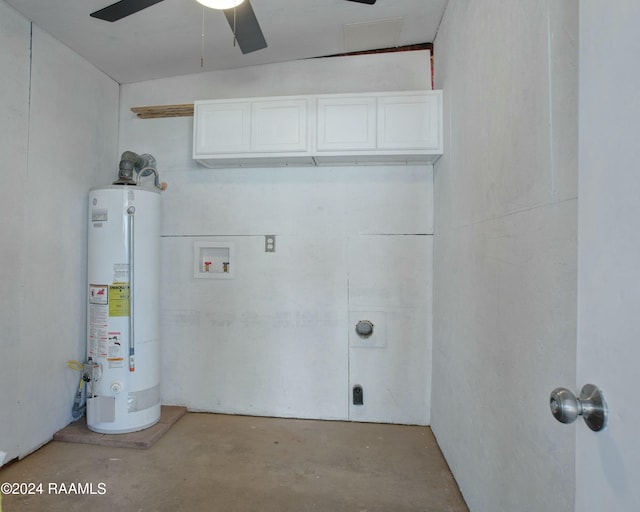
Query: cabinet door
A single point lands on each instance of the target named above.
(346, 124)
(222, 127)
(279, 126)
(409, 121)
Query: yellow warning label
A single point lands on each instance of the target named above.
(119, 299)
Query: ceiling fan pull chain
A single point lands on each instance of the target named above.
(234, 26)
(202, 41)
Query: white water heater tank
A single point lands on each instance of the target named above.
(123, 309)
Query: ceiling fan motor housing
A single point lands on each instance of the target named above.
(242, 20)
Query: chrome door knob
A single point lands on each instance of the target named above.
(566, 407)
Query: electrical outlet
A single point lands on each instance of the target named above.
(270, 243)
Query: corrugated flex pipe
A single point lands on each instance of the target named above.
(142, 165)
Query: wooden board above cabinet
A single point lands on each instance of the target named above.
(161, 111)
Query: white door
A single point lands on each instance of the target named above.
(608, 462)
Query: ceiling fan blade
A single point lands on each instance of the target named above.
(122, 9)
(247, 30)
(370, 2)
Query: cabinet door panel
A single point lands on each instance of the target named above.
(346, 124)
(279, 126)
(222, 128)
(408, 122)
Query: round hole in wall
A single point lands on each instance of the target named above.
(364, 328)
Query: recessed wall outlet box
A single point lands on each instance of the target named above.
(214, 260)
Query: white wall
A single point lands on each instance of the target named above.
(59, 131)
(275, 340)
(14, 102)
(505, 251)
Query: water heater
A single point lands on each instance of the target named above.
(123, 359)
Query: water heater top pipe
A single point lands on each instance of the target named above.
(142, 165)
(139, 161)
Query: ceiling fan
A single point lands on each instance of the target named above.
(241, 18)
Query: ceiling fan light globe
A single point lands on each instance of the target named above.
(220, 4)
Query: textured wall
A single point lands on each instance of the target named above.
(14, 102)
(61, 130)
(275, 340)
(505, 251)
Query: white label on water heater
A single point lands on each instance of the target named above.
(98, 318)
(98, 294)
(120, 272)
(99, 215)
(115, 352)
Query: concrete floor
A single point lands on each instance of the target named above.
(210, 462)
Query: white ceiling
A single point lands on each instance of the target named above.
(165, 39)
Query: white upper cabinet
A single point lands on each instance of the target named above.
(328, 129)
(379, 128)
(253, 132)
